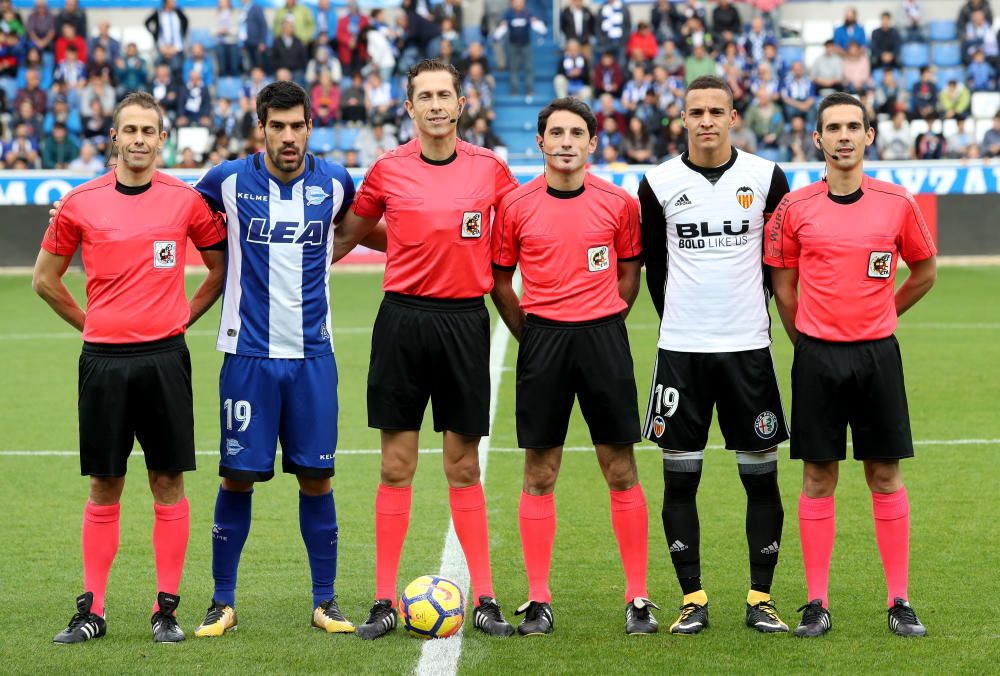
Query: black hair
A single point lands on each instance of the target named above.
(430, 65)
(282, 95)
(839, 99)
(569, 104)
(711, 82)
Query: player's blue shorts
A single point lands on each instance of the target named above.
(263, 401)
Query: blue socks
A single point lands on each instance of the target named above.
(229, 534)
(318, 523)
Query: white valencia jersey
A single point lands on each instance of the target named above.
(703, 232)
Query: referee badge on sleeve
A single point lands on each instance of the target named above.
(597, 258)
(472, 224)
(879, 264)
(164, 254)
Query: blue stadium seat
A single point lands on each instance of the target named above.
(202, 36)
(789, 54)
(915, 54)
(347, 139)
(942, 30)
(910, 77)
(228, 88)
(947, 54)
(946, 74)
(322, 139)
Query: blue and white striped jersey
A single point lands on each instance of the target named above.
(276, 300)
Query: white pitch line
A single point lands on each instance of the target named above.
(440, 657)
(500, 449)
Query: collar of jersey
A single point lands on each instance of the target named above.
(260, 165)
(440, 163)
(713, 174)
(565, 194)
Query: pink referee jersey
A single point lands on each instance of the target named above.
(846, 249)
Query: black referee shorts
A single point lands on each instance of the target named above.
(429, 348)
(136, 391)
(858, 384)
(557, 361)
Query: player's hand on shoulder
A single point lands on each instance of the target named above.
(54, 210)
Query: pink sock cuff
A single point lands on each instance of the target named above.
(816, 508)
(102, 513)
(175, 512)
(537, 507)
(623, 501)
(890, 506)
(467, 499)
(393, 500)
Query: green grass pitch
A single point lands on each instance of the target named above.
(951, 346)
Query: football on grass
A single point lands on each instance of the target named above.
(432, 607)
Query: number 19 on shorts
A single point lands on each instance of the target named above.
(237, 412)
(665, 400)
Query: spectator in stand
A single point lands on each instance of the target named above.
(982, 76)
(474, 109)
(40, 28)
(607, 109)
(352, 50)
(727, 25)
(72, 14)
(451, 33)
(248, 96)
(32, 91)
(254, 34)
(672, 141)
(199, 61)
(969, 8)
(669, 88)
(609, 134)
(379, 101)
(741, 137)
(132, 73)
(112, 48)
(991, 139)
(169, 26)
(608, 77)
(195, 108)
(187, 160)
(446, 52)
(731, 67)
(325, 19)
(848, 32)
(828, 70)
(778, 66)
(886, 44)
(635, 90)
(21, 149)
(96, 122)
(663, 19)
(100, 66)
(573, 78)
(166, 89)
(353, 106)
(326, 90)
(288, 51)
(60, 113)
(914, 33)
(225, 119)
(796, 142)
(930, 145)
(896, 142)
(69, 38)
(98, 89)
(477, 80)
(695, 34)
(11, 55)
(480, 134)
(643, 41)
(31, 119)
(979, 34)
(649, 112)
(614, 25)
(372, 142)
(448, 9)
(889, 95)
(380, 52)
(924, 96)
(72, 75)
(765, 81)
(754, 40)
(798, 95)
(58, 150)
(687, 10)
(304, 26)
(227, 37)
(699, 63)
(576, 22)
(765, 121)
(323, 59)
(670, 58)
(476, 54)
(957, 145)
(87, 160)
(857, 69)
(637, 144)
(517, 23)
(954, 101)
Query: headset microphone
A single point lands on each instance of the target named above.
(454, 120)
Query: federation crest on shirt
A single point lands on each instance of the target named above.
(315, 195)
(879, 264)
(744, 196)
(597, 258)
(164, 254)
(472, 224)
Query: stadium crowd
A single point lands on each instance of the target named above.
(59, 80)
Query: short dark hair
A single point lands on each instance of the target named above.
(143, 100)
(282, 95)
(839, 99)
(428, 66)
(571, 105)
(710, 82)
